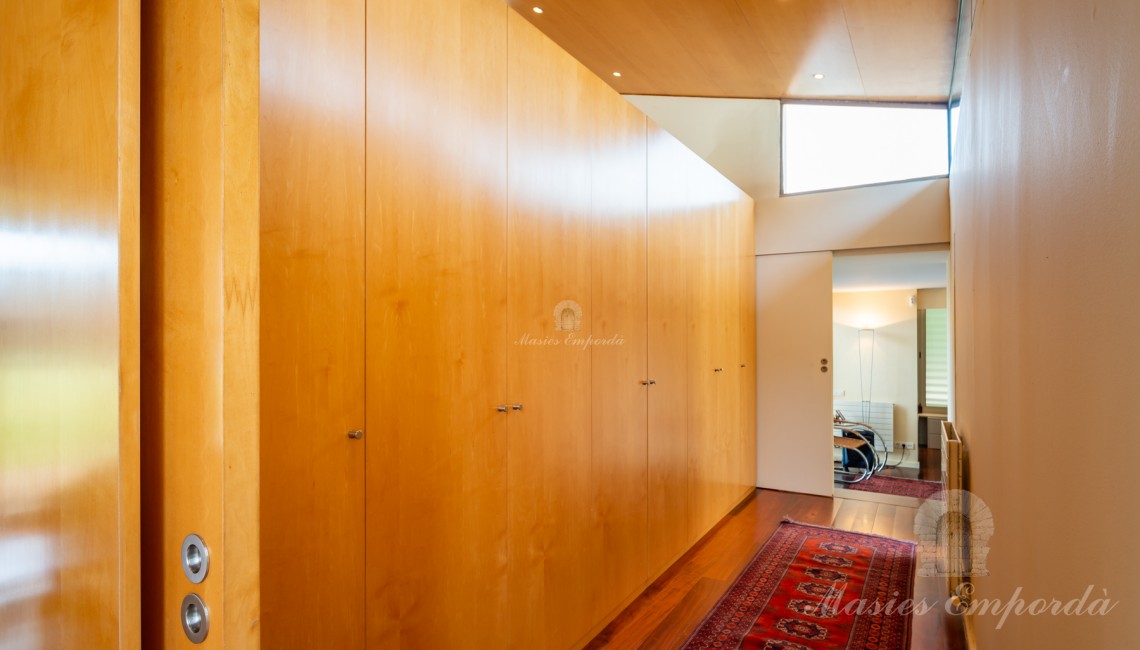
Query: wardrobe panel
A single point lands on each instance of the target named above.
(312, 315)
(618, 349)
(436, 313)
(705, 437)
(728, 449)
(747, 287)
(576, 236)
(669, 296)
(552, 525)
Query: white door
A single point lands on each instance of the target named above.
(793, 382)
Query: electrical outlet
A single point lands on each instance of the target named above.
(904, 445)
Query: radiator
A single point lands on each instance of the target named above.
(956, 541)
(880, 415)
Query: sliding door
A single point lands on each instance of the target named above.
(69, 325)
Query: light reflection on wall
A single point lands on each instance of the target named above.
(50, 253)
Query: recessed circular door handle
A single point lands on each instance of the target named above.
(195, 618)
(195, 559)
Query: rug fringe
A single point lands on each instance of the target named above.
(788, 520)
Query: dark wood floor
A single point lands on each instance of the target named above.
(669, 610)
(929, 466)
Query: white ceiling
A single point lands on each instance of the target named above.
(886, 271)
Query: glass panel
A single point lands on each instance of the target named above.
(937, 367)
(834, 146)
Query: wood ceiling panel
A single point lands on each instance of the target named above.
(900, 50)
(802, 38)
(904, 47)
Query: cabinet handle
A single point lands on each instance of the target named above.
(648, 382)
(516, 407)
(718, 369)
(356, 435)
(502, 408)
(743, 365)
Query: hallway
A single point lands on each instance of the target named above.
(671, 608)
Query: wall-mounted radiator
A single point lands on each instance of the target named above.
(956, 540)
(880, 415)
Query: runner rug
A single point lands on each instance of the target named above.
(903, 487)
(815, 587)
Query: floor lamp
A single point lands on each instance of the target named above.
(866, 369)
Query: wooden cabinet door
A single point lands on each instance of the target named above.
(619, 404)
(576, 467)
(670, 286)
(312, 316)
(747, 354)
(437, 262)
(706, 351)
(69, 325)
(728, 451)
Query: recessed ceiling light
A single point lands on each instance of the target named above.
(538, 10)
(617, 74)
(818, 75)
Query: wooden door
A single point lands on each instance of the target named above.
(793, 346)
(576, 456)
(312, 315)
(437, 283)
(200, 288)
(69, 326)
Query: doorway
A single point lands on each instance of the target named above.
(890, 374)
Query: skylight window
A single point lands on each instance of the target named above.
(831, 146)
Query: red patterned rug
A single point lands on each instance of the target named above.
(903, 487)
(815, 587)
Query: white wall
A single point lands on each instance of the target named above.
(741, 138)
(1046, 307)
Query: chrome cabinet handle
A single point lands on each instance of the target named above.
(356, 435)
(516, 407)
(502, 408)
(648, 382)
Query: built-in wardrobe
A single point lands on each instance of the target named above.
(507, 334)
